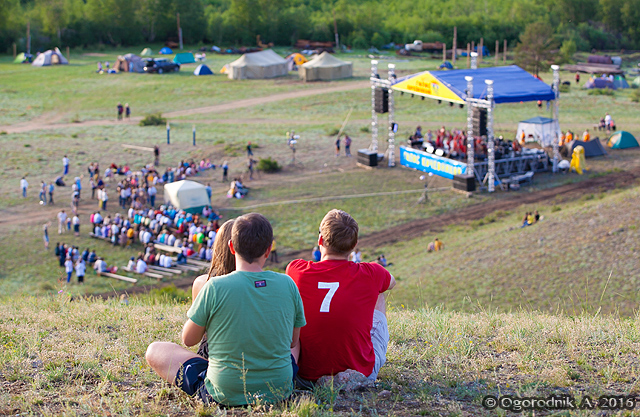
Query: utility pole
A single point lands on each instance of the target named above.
(179, 30)
(194, 135)
(454, 51)
(481, 50)
(28, 37)
(15, 51)
(497, 52)
(504, 52)
(335, 30)
(468, 56)
(444, 52)
(168, 134)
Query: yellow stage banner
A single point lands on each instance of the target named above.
(427, 85)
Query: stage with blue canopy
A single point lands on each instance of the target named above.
(511, 84)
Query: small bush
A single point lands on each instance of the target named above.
(565, 88)
(3, 132)
(268, 165)
(601, 92)
(364, 129)
(555, 208)
(635, 95)
(333, 131)
(153, 120)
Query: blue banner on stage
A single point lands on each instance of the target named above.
(426, 162)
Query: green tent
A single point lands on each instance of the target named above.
(622, 140)
(21, 58)
(146, 52)
(636, 82)
(184, 58)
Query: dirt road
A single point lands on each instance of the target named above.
(45, 123)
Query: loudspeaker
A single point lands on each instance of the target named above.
(464, 182)
(381, 100)
(367, 157)
(479, 121)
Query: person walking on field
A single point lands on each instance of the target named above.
(338, 146)
(120, 111)
(68, 268)
(51, 189)
(65, 164)
(347, 145)
(225, 171)
(62, 218)
(45, 234)
(24, 185)
(127, 111)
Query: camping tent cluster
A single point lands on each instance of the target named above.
(258, 65)
(613, 83)
(539, 129)
(592, 148)
(50, 57)
(325, 67)
(129, 63)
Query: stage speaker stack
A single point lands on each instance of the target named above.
(464, 183)
(367, 157)
(381, 104)
(479, 122)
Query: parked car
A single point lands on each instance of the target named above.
(160, 65)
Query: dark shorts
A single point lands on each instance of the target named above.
(193, 372)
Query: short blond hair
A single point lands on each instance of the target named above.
(339, 232)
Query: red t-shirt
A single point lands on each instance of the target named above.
(339, 298)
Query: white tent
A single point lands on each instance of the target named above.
(539, 129)
(50, 57)
(325, 67)
(257, 65)
(186, 195)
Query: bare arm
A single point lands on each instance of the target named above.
(392, 283)
(295, 339)
(192, 333)
(198, 283)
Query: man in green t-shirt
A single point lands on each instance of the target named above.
(252, 319)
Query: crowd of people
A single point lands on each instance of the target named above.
(530, 218)
(454, 144)
(73, 261)
(322, 318)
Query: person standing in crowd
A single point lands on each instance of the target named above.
(65, 164)
(151, 191)
(127, 111)
(68, 268)
(62, 218)
(209, 192)
(76, 225)
(120, 111)
(51, 189)
(24, 185)
(104, 198)
(156, 155)
(81, 268)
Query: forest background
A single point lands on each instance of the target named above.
(580, 25)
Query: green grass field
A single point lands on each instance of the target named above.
(545, 309)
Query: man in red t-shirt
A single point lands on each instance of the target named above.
(344, 305)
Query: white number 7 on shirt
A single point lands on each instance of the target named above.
(332, 287)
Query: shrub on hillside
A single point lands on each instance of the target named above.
(268, 165)
(635, 95)
(601, 92)
(153, 120)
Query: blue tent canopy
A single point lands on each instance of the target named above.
(511, 84)
(538, 120)
(165, 51)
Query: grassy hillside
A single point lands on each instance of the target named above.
(583, 256)
(63, 356)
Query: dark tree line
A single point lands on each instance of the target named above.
(583, 24)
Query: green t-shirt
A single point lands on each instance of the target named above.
(249, 317)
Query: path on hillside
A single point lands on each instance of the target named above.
(417, 228)
(43, 122)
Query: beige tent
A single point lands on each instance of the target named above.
(186, 195)
(325, 67)
(129, 63)
(256, 65)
